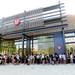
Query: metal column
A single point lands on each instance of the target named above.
(28, 46)
(32, 45)
(23, 37)
(0, 44)
(63, 39)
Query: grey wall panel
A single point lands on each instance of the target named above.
(33, 19)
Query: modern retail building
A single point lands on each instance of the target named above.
(44, 30)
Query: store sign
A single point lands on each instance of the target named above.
(17, 21)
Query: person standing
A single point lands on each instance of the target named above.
(71, 57)
(64, 58)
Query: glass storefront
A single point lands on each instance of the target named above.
(70, 48)
(8, 47)
(41, 44)
(70, 42)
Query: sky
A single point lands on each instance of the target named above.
(12, 7)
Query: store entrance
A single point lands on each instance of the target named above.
(70, 48)
(39, 45)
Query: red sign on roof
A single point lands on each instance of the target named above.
(17, 21)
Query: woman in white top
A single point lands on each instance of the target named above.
(71, 57)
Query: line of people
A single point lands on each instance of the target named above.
(38, 59)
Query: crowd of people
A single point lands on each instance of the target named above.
(37, 59)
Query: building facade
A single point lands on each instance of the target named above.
(43, 30)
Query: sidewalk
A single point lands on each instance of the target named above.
(67, 69)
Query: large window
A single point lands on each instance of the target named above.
(69, 34)
(69, 37)
(44, 44)
(70, 42)
(41, 44)
(19, 45)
